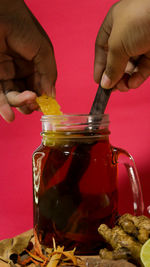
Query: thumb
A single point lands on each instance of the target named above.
(116, 63)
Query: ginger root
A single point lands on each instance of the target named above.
(126, 238)
(116, 254)
(138, 226)
(117, 238)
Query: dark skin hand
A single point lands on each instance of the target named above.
(123, 46)
(27, 61)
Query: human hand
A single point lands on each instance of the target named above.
(123, 46)
(27, 62)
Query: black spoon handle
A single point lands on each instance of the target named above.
(100, 101)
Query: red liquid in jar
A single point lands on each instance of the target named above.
(75, 190)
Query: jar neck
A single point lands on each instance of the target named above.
(70, 123)
(71, 127)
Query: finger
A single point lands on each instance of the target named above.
(23, 68)
(46, 66)
(130, 67)
(101, 46)
(5, 109)
(17, 99)
(117, 61)
(16, 93)
(33, 46)
(41, 55)
(7, 70)
(24, 102)
(26, 109)
(142, 73)
(99, 63)
(33, 82)
(122, 85)
(51, 63)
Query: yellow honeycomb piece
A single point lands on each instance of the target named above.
(48, 105)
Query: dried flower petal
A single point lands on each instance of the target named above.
(49, 250)
(35, 257)
(54, 244)
(37, 245)
(56, 257)
(70, 256)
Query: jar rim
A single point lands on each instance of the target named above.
(96, 116)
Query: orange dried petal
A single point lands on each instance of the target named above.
(35, 257)
(37, 245)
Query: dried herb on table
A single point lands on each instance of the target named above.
(24, 250)
(13, 246)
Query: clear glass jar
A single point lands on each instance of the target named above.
(75, 172)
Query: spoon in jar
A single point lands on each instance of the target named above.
(100, 101)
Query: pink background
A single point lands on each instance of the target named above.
(72, 27)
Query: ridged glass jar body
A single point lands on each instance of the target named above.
(74, 182)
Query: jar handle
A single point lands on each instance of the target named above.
(122, 156)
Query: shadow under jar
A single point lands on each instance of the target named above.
(75, 181)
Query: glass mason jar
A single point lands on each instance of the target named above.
(75, 172)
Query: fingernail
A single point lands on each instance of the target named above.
(33, 106)
(53, 92)
(105, 81)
